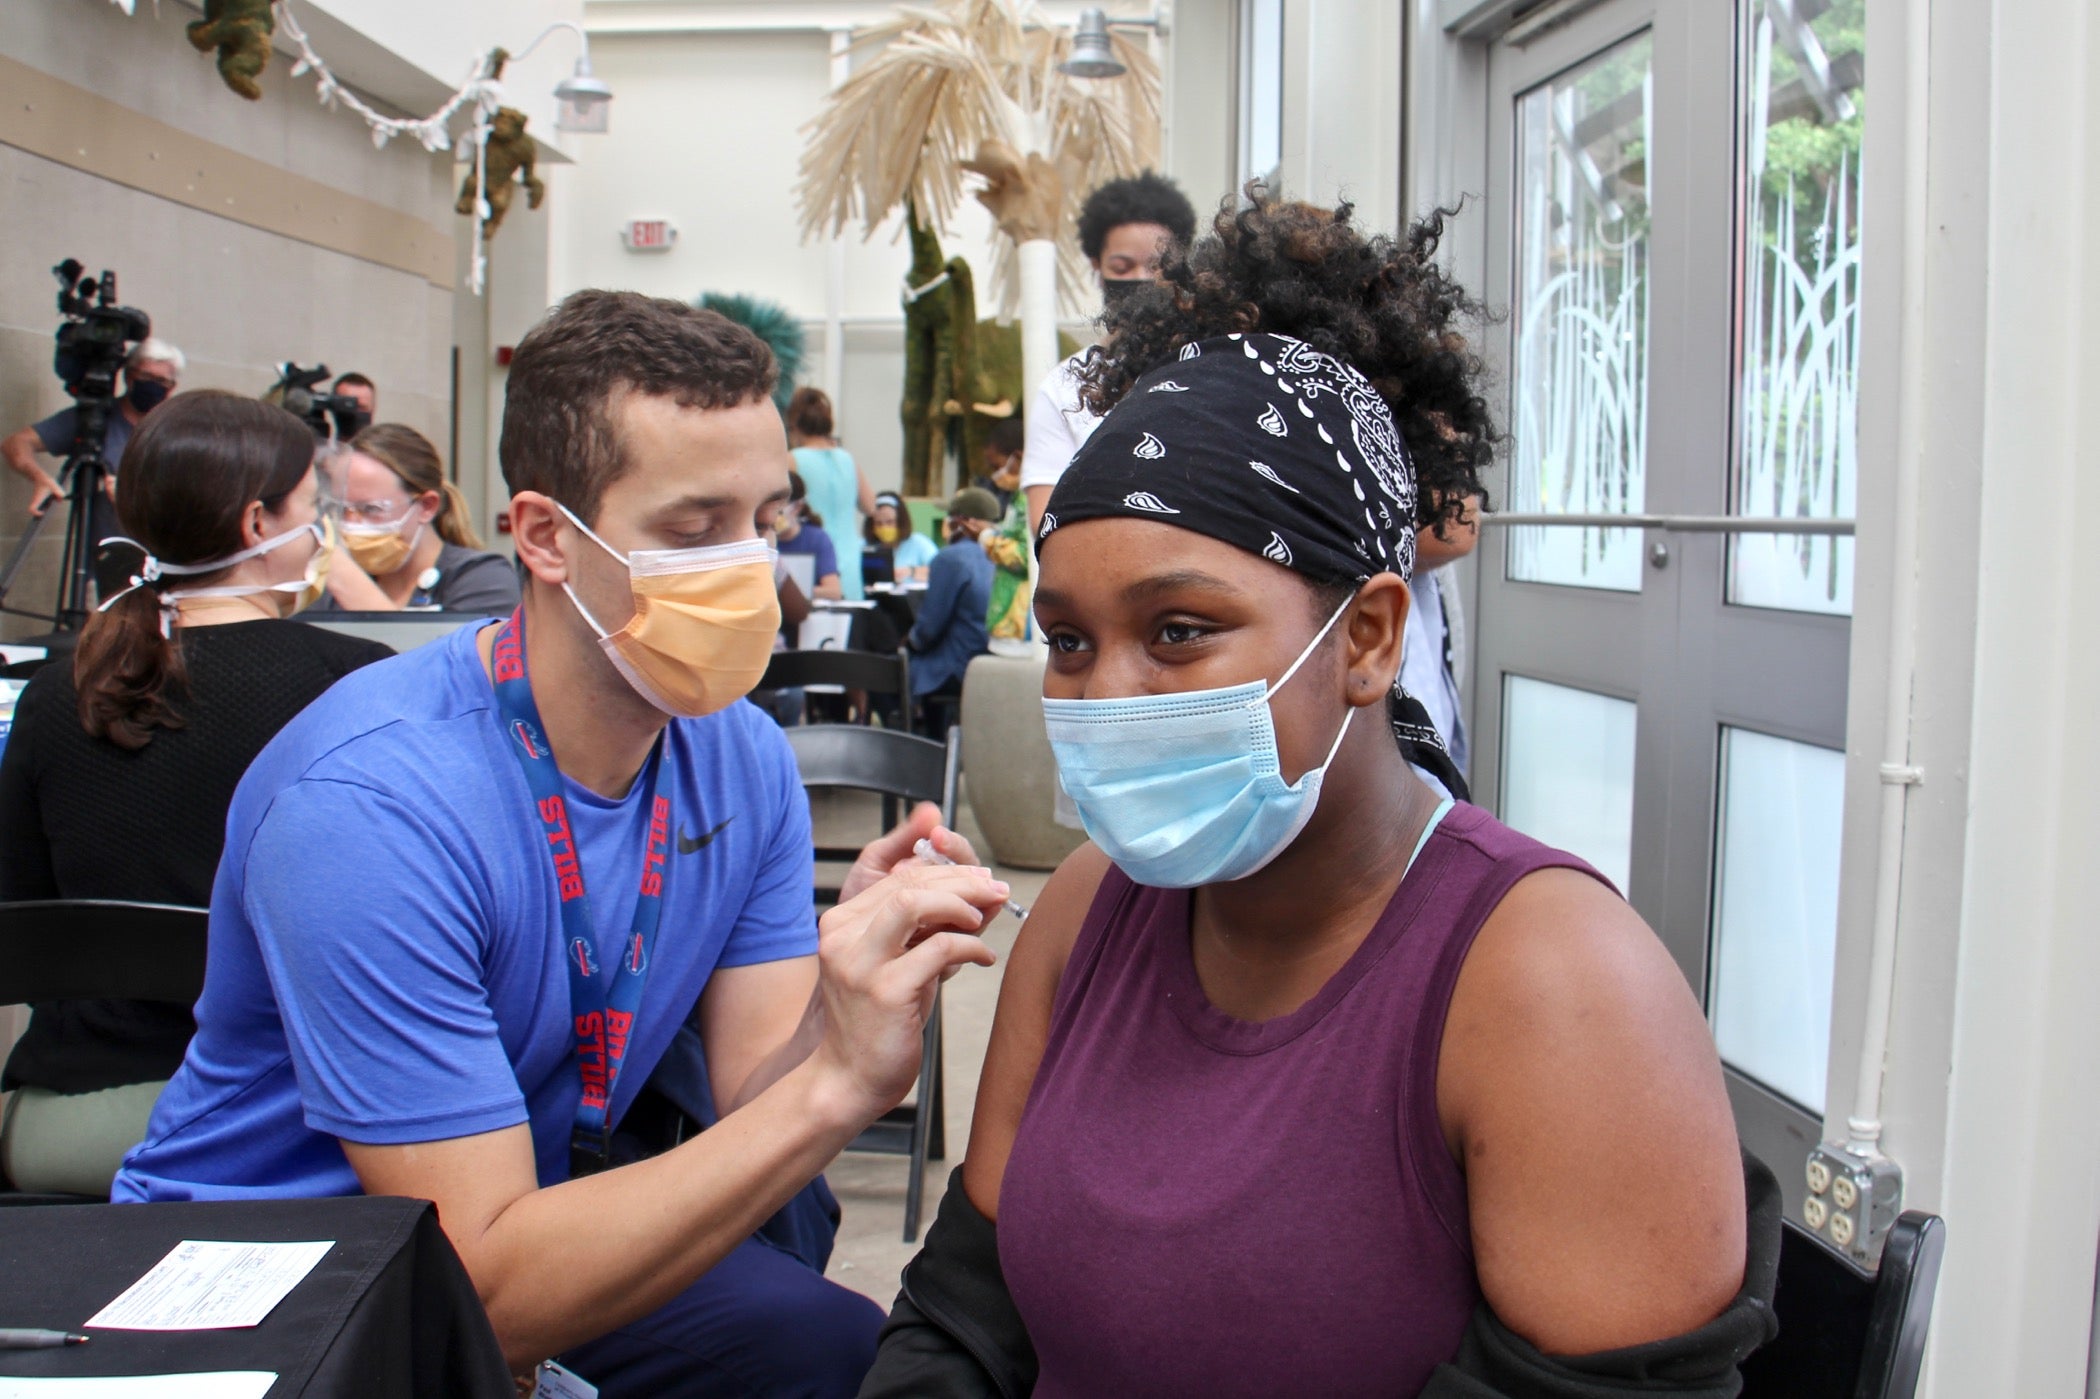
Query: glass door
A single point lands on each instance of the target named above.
(1674, 235)
(1575, 634)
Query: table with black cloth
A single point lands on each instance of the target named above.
(388, 1310)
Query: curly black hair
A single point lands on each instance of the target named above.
(1379, 304)
(1143, 198)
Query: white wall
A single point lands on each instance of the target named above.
(235, 292)
(706, 132)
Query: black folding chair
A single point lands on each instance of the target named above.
(96, 949)
(878, 673)
(1845, 1333)
(904, 768)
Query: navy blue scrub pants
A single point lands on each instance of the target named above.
(762, 1322)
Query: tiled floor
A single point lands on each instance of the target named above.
(871, 1250)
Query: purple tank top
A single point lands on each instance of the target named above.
(1201, 1205)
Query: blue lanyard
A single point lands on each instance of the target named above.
(603, 1015)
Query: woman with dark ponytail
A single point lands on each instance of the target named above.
(406, 530)
(120, 766)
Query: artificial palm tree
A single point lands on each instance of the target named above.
(973, 87)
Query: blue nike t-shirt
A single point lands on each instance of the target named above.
(386, 952)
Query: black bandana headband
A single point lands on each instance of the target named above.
(1264, 443)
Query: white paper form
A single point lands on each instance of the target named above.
(215, 1384)
(208, 1286)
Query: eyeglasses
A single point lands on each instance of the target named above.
(376, 512)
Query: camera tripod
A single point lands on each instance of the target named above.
(84, 475)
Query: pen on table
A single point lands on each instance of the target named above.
(24, 1338)
(925, 851)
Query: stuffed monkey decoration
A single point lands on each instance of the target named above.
(240, 30)
(509, 154)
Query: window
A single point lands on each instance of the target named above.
(1260, 90)
(1580, 392)
(1797, 443)
(1775, 909)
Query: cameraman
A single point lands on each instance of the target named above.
(151, 373)
(361, 391)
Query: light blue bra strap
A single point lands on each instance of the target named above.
(1435, 818)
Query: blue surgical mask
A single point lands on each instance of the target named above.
(1186, 789)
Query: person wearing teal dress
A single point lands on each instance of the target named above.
(838, 489)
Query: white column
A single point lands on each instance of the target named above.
(1038, 261)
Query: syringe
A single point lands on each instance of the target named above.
(925, 851)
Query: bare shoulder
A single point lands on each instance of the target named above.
(1021, 1026)
(1580, 1088)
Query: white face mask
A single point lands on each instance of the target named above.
(305, 590)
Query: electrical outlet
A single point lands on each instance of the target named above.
(1852, 1200)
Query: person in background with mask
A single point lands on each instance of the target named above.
(1426, 672)
(1003, 447)
(476, 895)
(406, 531)
(1125, 228)
(838, 489)
(895, 552)
(361, 391)
(797, 529)
(124, 756)
(950, 630)
(151, 372)
(1296, 1046)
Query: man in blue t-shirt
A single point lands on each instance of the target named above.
(469, 900)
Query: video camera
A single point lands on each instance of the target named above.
(93, 343)
(328, 414)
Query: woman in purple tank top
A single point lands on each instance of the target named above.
(1296, 1065)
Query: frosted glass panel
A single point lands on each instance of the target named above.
(1567, 771)
(1580, 387)
(1798, 453)
(1775, 896)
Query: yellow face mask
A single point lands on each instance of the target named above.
(888, 534)
(380, 549)
(316, 582)
(703, 625)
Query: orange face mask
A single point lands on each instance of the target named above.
(703, 625)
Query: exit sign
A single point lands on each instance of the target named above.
(649, 235)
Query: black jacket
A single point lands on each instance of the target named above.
(955, 1333)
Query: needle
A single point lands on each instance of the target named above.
(925, 851)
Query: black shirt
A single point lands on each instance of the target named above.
(81, 818)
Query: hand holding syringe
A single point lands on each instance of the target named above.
(925, 851)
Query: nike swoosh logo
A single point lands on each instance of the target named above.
(688, 844)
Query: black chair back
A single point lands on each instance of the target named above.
(901, 767)
(1845, 1333)
(90, 949)
(877, 672)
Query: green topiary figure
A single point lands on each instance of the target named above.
(772, 323)
(240, 30)
(940, 383)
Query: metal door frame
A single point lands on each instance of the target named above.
(1699, 662)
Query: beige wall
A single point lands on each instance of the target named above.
(236, 297)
